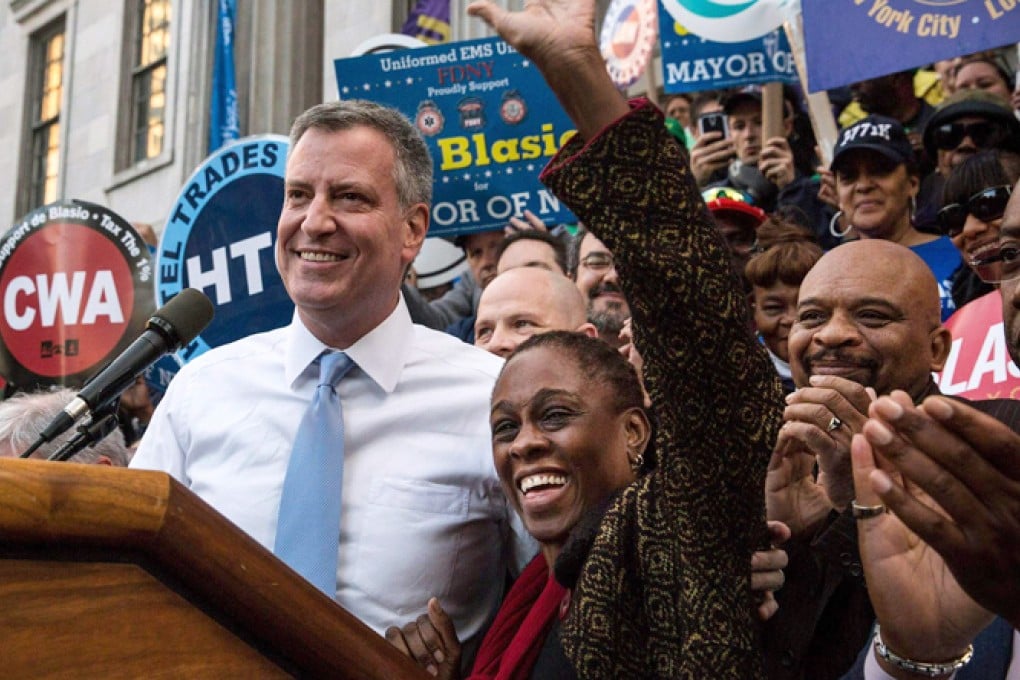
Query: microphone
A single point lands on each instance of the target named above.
(89, 434)
(174, 325)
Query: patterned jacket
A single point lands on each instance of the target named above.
(665, 590)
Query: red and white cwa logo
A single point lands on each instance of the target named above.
(68, 296)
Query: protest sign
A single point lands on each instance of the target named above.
(979, 366)
(628, 38)
(489, 120)
(77, 290)
(729, 20)
(220, 239)
(852, 40)
(158, 375)
(690, 63)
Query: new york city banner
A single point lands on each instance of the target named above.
(851, 40)
(489, 119)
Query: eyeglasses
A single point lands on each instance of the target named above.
(1009, 256)
(984, 134)
(1004, 265)
(986, 205)
(598, 261)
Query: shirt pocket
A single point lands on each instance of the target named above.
(420, 496)
(407, 545)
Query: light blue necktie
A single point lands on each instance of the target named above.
(308, 528)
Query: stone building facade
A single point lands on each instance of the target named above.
(107, 100)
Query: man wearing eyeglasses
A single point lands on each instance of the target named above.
(738, 221)
(1009, 273)
(599, 282)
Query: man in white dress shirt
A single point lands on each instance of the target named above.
(423, 513)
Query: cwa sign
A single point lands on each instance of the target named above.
(76, 282)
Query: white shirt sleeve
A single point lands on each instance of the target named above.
(160, 448)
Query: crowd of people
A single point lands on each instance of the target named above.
(914, 199)
(694, 435)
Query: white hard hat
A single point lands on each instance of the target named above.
(439, 262)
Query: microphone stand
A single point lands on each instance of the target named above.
(102, 423)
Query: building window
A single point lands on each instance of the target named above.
(46, 83)
(148, 78)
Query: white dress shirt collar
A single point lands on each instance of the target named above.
(381, 353)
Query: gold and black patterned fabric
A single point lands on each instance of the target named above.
(665, 590)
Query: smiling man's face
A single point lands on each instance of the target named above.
(343, 238)
(869, 311)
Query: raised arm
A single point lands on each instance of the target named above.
(712, 387)
(559, 37)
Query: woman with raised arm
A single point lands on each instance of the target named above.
(651, 558)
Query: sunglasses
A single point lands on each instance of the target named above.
(984, 135)
(986, 205)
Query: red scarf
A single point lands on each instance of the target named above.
(510, 648)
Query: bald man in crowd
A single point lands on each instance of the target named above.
(526, 301)
(936, 596)
(868, 316)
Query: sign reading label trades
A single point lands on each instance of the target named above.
(221, 237)
(490, 122)
(76, 282)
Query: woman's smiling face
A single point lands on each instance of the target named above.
(560, 442)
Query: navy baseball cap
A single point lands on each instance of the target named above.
(880, 134)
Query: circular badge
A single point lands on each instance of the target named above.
(429, 119)
(512, 108)
(629, 33)
(728, 21)
(221, 238)
(77, 290)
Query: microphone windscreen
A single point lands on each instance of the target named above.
(187, 313)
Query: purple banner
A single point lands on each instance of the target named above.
(429, 21)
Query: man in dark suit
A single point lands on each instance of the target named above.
(936, 596)
(868, 317)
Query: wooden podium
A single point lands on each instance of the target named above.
(111, 573)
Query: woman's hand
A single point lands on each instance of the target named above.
(767, 571)
(431, 641)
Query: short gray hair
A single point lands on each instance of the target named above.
(412, 169)
(24, 415)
